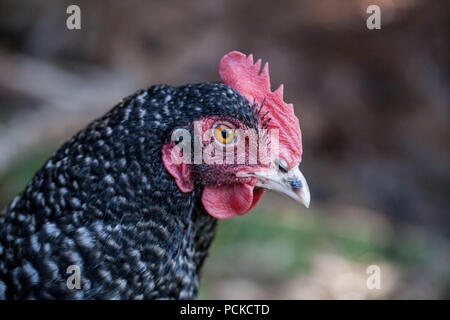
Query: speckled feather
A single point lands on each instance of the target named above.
(105, 202)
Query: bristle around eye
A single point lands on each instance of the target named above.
(262, 106)
(264, 115)
(266, 123)
(256, 110)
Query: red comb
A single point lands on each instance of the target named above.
(239, 72)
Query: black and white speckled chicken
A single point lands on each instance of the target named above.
(115, 202)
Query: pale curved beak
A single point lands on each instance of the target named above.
(291, 183)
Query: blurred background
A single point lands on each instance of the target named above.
(373, 107)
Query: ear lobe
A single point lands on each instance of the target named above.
(177, 169)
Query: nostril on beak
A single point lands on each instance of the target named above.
(296, 183)
(282, 165)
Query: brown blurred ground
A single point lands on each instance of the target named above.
(373, 107)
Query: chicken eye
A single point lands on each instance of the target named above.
(224, 134)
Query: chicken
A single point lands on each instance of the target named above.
(115, 202)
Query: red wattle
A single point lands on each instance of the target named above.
(227, 201)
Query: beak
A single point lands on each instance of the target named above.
(291, 183)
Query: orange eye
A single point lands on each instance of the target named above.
(224, 134)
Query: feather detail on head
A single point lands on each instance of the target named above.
(239, 72)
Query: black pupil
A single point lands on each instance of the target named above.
(224, 133)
